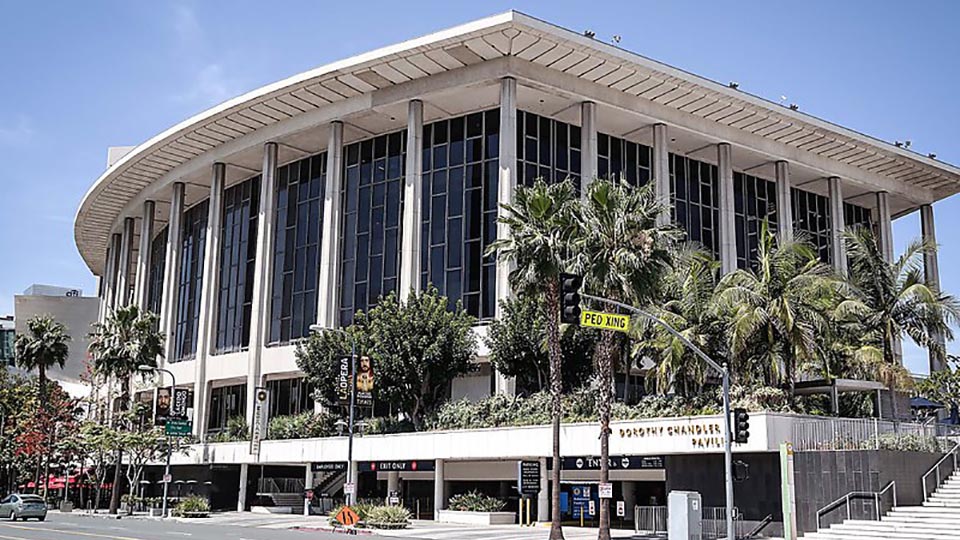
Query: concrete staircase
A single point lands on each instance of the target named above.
(937, 519)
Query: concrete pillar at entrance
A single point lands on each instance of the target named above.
(208, 296)
(439, 490)
(784, 202)
(141, 293)
(728, 220)
(506, 187)
(661, 170)
(393, 482)
(123, 273)
(307, 485)
(884, 226)
(629, 498)
(588, 145)
(838, 253)
(242, 497)
(171, 269)
(263, 269)
(330, 239)
(931, 271)
(543, 497)
(412, 202)
(354, 473)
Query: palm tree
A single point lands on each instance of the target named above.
(623, 255)
(894, 302)
(541, 226)
(687, 304)
(125, 340)
(778, 310)
(44, 346)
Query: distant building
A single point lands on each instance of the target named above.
(7, 334)
(70, 308)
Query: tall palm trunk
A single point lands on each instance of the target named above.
(556, 388)
(117, 473)
(606, 351)
(44, 462)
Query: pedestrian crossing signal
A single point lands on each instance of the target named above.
(346, 516)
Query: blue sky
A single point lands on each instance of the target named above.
(78, 77)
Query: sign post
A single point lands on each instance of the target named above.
(259, 419)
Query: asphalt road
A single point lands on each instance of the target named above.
(74, 527)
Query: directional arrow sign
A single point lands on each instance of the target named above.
(607, 321)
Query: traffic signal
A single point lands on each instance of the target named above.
(741, 425)
(570, 298)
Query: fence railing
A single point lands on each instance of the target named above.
(862, 434)
(875, 498)
(653, 520)
(947, 465)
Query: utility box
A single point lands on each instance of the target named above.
(684, 515)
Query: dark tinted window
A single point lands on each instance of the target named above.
(547, 149)
(755, 200)
(238, 250)
(855, 215)
(296, 263)
(811, 217)
(192, 244)
(226, 402)
(290, 396)
(158, 264)
(623, 159)
(694, 189)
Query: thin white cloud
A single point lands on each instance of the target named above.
(210, 86)
(18, 132)
(185, 25)
(208, 83)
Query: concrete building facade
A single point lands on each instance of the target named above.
(302, 202)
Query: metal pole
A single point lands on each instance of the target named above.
(724, 372)
(166, 468)
(352, 497)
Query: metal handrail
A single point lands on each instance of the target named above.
(875, 495)
(936, 468)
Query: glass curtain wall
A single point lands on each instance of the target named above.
(694, 188)
(370, 235)
(290, 396)
(299, 227)
(192, 244)
(459, 209)
(226, 402)
(158, 265)
(755, 201)
(811, 219)
(238, 251)
(547, 149)
(622, 159)
(855, 215)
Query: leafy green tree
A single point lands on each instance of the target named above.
(540, 230)
(778, 311)
(102, 445)
(687, 303)
(623, 255)
(895, 301)
(418, 347)
(944, 386)
(518, 347)
(128, 338)
(44, 346)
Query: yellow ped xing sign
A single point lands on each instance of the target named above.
(607, 321)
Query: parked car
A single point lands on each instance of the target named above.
(19, 506)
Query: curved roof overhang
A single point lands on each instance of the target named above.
(515, 44)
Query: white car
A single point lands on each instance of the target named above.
(23, 507)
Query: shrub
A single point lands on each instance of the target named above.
(387, 424)
(362, 508)
(301, 426)
(474, 501)
(388, 517)
(192, 505)
(236, 430)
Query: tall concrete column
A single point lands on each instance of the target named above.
(728, 219)
(412, 201)
(171, 269)
(439, 490)
(307, 485)
(588, 145)
(784, 202)
(507, 185)
(123, 271)
(661, 170)
(242, 496)
(838, 252)
(931, 271)
(543, 496)
(884, 226)
(262, 272)
(106, 284)
(327, 299)
(113, 288)
(141, 295)
(209, 293)
(393, 482)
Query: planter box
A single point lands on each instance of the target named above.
(66, 506)
(476, 518)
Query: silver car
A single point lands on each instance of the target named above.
(23, 507)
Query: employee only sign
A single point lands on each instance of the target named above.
(607, 321)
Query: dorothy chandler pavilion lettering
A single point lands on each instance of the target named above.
(700, 435)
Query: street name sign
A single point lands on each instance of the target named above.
(606, 321)
(178, 428)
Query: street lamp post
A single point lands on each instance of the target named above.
(725, 374)
(166, 469)
(352, 496)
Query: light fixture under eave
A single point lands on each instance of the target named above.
(734, 84)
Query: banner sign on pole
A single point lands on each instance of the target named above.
(343, 380)
(162, 412)
(258, 430)
(181, 404)
(606, 321)
(365, 382)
